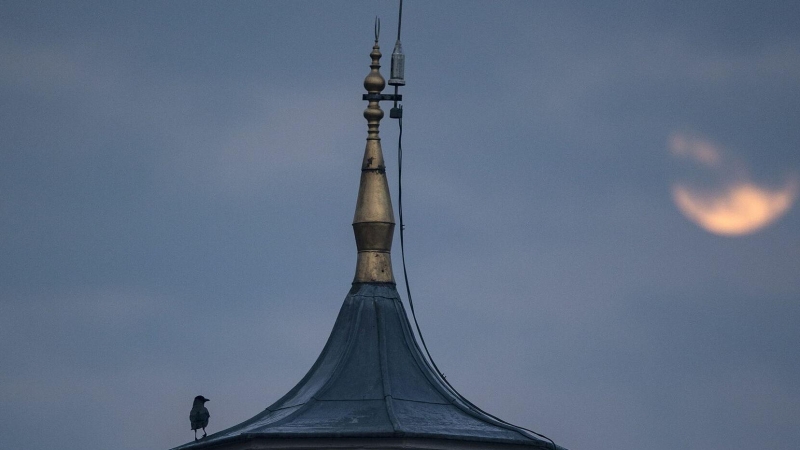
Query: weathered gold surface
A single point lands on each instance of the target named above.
(374, 267)
(373, 223)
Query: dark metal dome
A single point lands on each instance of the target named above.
(370, 382)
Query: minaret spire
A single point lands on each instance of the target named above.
(373, 224)
(372, 386)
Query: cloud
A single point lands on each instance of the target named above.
(722, 198)
(699, 150)
(740, 209)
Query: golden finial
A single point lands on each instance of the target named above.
(373, 224)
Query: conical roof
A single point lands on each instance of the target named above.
(371, 386)
(370, 382)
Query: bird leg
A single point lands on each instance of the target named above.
(204, 432)
(195, 435)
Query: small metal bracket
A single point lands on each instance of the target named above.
(381, 97)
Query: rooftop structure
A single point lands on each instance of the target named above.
(372, 387)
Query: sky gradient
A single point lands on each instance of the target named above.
(178, 182)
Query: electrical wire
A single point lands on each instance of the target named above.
(453, 390)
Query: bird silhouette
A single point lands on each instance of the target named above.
(199, 415)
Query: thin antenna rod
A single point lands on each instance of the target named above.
(399, 19)
(397, 78)
(378, 28)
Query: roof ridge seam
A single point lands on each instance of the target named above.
(445, 391)
(411, 345)
(334, 374)
(420, 401)
(292, 415)
(287, 407)
(346, 355)
(317, 364)
(384, 362)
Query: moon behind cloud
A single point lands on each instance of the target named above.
(739, 209)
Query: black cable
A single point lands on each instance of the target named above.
(411, 302)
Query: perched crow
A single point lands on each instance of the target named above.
(199, 415)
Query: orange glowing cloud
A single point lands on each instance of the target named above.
(728, 203)
(741, 209)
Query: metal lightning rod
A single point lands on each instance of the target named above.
(396, 77)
